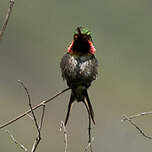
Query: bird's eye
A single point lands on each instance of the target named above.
(75, 36)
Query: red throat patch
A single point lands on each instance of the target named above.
(92, 48)
(70, 47)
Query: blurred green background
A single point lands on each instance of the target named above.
(36, 38)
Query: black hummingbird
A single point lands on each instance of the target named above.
(79, 69)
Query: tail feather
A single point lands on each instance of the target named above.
(72, 98)
(90, 107)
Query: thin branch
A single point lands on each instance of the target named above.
(36, 142)
(62, 126)
(11, 4)
(42, 117)
(87, 148)
(16, 142)
(137, 115)
(30, 117)
(38, 138)
(34, 108)
(137, 127)
(30, 105)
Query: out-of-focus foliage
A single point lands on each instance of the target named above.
(37, 36)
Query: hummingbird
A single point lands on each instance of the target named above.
(79, 69)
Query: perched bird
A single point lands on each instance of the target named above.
(79, 69)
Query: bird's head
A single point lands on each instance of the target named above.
(82, 42)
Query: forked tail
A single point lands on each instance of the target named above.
(89, 106)
(72, 98)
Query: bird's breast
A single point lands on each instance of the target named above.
(79, 70)
(79, 66)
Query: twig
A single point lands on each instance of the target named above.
(34, 108)
(138, 128)
(89, 145)
(137, 115)
(38, 138)
(11, 4)
(30, 105)
(62, 126)
(16, 142)
(30, 117)
(42, 117)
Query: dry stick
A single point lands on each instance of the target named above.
(89, 145)
(11, 4)
(139, 129)
(30, 116)
(137, 115)
(62, 126)
(42, 117)
(16, 142)
(34, 108)
(30, 105)
(38, 138)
